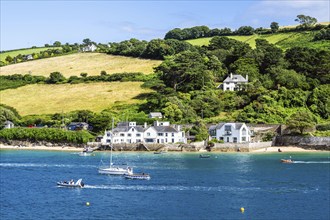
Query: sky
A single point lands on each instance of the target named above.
(34, 23)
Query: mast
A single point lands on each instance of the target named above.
(111, 143)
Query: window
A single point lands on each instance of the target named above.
(227, 127)
(235, 140)
(221, 138)
(160, 134)
(138, 135)
(172, 134)
(166, 134)
(148, 134)
(129, 135)
(108, 134)
(227, 139)
(122, 135)
(243, 131)
(243, 138)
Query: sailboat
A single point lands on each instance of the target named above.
(115, 170)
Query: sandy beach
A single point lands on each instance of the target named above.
(78, 149)
(283, 149)
(40, 148)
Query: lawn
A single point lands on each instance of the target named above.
(75, 64)
(49, 99)
(14, 53)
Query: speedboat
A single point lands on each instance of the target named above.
(138, 176)
(286, 161)
(71, 184)
(204, 156)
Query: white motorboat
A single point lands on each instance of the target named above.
(138, 176)
(71, 184)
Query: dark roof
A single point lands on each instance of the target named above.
(123, 127)
(237, 126)
(165, 129)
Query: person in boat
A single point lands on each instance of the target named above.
(279, 150)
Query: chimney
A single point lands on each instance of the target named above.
(247, 77)
(231, 75)
(145, 124)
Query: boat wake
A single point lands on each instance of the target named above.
(42, 165)
(307, 162)
(167, 188)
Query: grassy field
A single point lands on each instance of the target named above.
(48, 99)
(25, 52)
(74, 64)
(283, 40)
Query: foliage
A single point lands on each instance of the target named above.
(17, 80)
(185, 72)
(274, 26)
(301, 121)
(324, 34)
(323, 127)
(305, 20)
(46, 134)
(319, 101)
(55, 77)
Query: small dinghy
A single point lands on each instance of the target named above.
(286, 161)
(71, 184)
(138, 176)
(204, 156)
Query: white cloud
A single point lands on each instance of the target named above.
(288, 10)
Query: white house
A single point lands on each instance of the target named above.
(125, 132)
(163, 132)
(230, 132)
(233, 82)
(155, 115)
(89, 48)
(129, 132)
(8, 124)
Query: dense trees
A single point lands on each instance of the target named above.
(301, 121)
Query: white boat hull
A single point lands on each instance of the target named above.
(116, 171)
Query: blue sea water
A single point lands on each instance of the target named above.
(182, 186)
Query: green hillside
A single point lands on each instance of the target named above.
(28, 51)
(283, 40)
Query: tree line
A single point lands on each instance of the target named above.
(306, 23)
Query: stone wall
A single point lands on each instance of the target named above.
(243, 147)
(317, 143)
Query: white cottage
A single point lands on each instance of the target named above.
(8, 124)
(233, 82)
(129, 132)
(89, 48)
(163, 132)
(125, 132)
(155, 115)
(230, 132)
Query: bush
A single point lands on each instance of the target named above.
(46, 134)
(323, 127)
